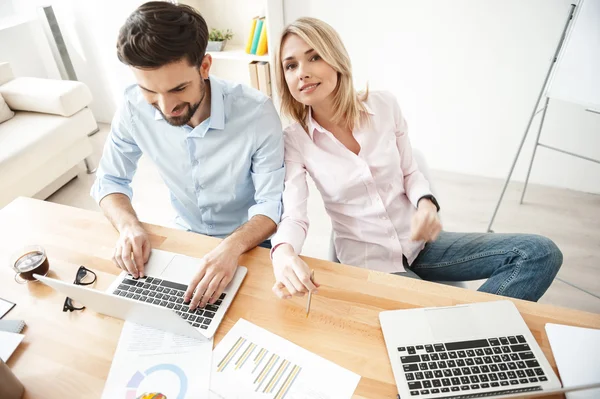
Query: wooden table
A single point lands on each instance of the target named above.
(68, 355)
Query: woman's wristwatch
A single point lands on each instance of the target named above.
(430, 198)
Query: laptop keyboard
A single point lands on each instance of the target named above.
(469, 365)
(168, 295)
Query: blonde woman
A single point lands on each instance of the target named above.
(356, 149)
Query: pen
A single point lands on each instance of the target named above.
(312, 277)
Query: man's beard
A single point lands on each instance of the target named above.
(191, 110)
(183, 119)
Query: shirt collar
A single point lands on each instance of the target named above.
(217, 106)
(313, 125)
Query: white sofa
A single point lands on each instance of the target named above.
(43, 145)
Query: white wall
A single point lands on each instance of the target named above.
(28, 56)
(7, 11)
(467, 74)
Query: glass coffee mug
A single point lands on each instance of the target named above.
(28, 261)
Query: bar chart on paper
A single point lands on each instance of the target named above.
(269, 372)
(251, 362)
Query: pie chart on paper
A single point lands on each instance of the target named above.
(161, 381)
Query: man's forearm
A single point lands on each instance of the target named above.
(250, 234)
(118, 209)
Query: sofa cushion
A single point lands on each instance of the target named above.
(5, 112)
(52, 96)
(30, 139)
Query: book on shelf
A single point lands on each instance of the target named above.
(253, 74)
(262, 47)
(256, 37)
(264, 77)
(251, 36)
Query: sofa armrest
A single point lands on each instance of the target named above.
(49, 96)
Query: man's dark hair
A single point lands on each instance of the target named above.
(159, 33)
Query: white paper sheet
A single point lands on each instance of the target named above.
(8, 344)
(148, 360)
(576, 351)
(251, 362)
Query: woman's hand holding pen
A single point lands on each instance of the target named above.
(291, 273)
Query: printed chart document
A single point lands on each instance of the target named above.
(251, 362)
(151, 361)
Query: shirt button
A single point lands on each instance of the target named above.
(210, 226)
(393, 237)
(384, 218)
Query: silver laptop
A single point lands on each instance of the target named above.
(465, 351)
(157, 299)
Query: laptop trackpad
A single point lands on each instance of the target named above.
(158, 262)
(454, 323)
(181, 269)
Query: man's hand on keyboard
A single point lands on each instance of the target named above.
(132, 250)
(216, 271)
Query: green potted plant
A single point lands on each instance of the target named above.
(217, 38)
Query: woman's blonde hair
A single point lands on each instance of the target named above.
(322, 38)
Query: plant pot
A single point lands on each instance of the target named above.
(216, 46)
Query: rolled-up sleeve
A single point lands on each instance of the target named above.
(119, 158)
(415, 183)
(294, 223)
(268, 171)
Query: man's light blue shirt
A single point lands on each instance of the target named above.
(220, 173)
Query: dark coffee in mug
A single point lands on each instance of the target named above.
(33, 262)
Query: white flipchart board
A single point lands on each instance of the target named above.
(576, 78)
